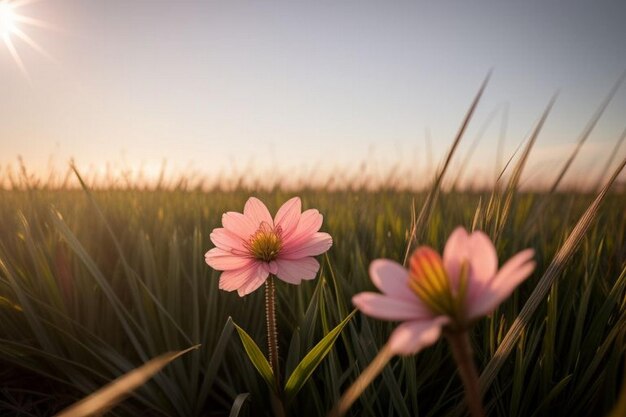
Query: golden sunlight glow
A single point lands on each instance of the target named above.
(9, 26)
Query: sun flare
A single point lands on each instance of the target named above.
(10, 22)
(7, 19)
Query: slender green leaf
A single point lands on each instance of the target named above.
(311, 361)
(257, 358)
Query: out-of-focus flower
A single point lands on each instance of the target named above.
(454, 291)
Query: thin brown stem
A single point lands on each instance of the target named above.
(272, 330)
(362, 382)
(462, 352)
(272, 344)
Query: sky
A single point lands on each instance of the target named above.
(310, 89)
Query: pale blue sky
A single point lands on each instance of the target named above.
(306, 86)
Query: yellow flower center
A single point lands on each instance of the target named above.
(266, 243)
(430, 282)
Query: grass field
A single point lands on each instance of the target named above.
(94, 284)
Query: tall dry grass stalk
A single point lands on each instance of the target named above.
(428, 207)
(545, 283)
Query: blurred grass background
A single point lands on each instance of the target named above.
(94, 284)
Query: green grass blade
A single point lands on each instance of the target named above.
(257, 358)
(311, 361)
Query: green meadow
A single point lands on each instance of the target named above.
(95, 283)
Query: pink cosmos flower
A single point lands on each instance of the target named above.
(455, 291)
(252, 245)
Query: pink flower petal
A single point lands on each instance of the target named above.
(294, 271)
(240, 225)
(512, 273)
(227, 240)
(310, 222)
(483, 259)
(319, 243)
(222, 260)
(392, 279)
(455, 251)
(236, 278)
(413, 336)
(385, 307)
(478, 251)
(255, 280)
(257, 211)
(288, 216)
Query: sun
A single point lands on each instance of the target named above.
(7, 20)
(10, 22)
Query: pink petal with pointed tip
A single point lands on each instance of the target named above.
(241, 225)
(413, 336)
(222, 260)
(385, 307)
(510, 276)
(257, 212)
(227, 240)
(288, 216)
(294, 271)
(317, 244)
(392, 279)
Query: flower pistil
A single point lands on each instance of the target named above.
(265, 244)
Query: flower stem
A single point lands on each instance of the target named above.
(272, 329)
(367, 376)
(462, 352)
(272, 344)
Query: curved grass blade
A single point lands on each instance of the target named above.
(116, 391)
(240, 400)
(311, 361)
(257, 358)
